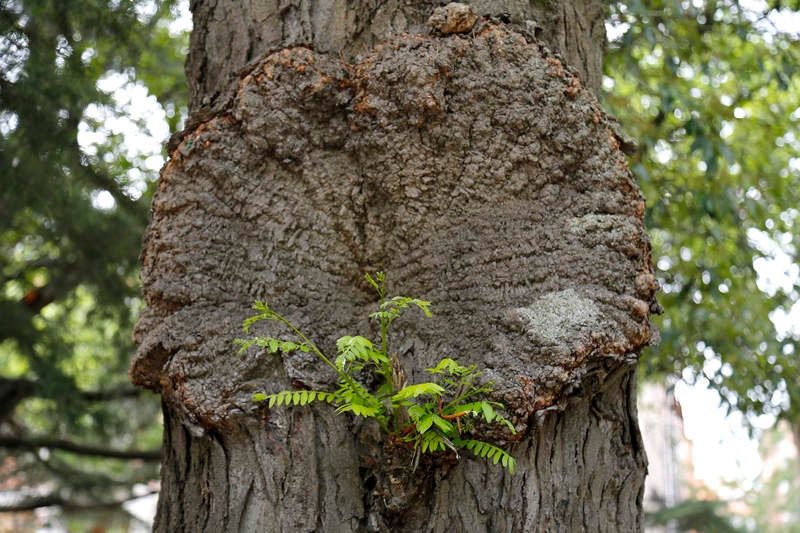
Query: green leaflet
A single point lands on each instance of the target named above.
(488, 411)
(443, 424)
(484, 409)
(272, 345)
(431, 442)
(425, 423)
(486, 450)
(367, 411)
(412, 391)
(359, 351)
(287, 397)
(393, 308)
(451, 367)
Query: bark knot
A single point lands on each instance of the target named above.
(452, 18)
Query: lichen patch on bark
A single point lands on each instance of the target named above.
(555, 317)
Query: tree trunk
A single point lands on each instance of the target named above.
(472, 165)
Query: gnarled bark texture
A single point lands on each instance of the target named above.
(478, 172)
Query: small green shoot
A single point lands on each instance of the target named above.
(432, 416)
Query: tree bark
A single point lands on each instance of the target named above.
(229, 35)
(478, 171)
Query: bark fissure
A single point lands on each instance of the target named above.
(247, 501)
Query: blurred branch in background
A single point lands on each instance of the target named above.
(34, 443)
(702, 515)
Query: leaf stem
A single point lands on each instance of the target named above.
(310, 344)
(455, 415)
(384, 320)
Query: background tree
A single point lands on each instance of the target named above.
(711, 91)
(72, 218)
(471, 164)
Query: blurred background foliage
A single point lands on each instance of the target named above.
(74, 202)
(709, 89)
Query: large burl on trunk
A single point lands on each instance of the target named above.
(478, 172)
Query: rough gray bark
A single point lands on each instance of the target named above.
(230, 35)
(478, 172)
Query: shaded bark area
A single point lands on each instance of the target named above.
(480, 173)
(294, 471)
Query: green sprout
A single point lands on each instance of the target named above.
(433, 416)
